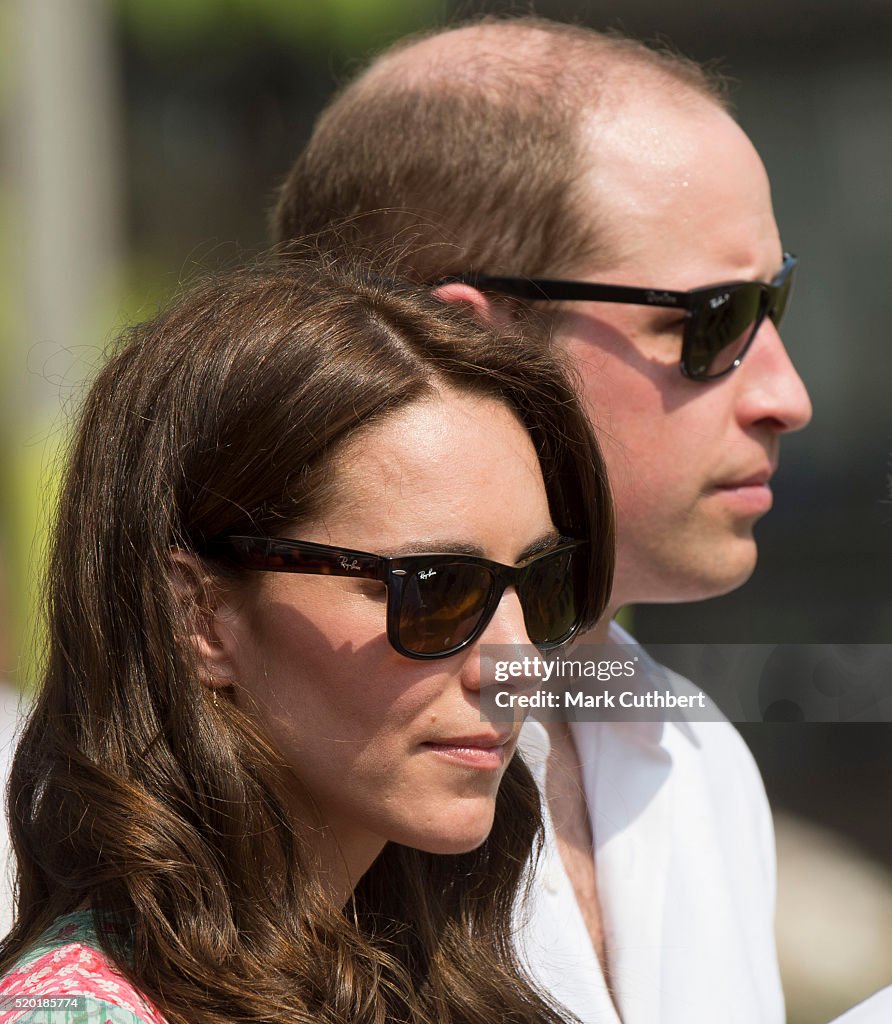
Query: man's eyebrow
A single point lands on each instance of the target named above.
(434, 546)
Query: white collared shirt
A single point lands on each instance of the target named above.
(876, 1010)
(685, 868)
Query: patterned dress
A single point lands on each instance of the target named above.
(65, 978)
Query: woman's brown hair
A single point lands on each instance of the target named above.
(132, 792)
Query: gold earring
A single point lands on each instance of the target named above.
(214, 699)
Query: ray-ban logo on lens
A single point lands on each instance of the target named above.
(426, 575)
(350, 564)
(719, 300)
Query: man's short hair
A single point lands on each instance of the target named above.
(471, 160)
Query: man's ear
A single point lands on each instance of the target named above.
(484, 310)
(208, 620)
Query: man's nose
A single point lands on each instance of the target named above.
(772, 391)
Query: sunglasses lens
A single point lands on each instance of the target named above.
(780, 298)
(551, 596)
(442, 605)
(721, 329)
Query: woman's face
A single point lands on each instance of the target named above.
(386, 748)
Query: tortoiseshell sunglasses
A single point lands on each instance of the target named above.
(437, 604)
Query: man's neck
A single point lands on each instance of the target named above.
(598, 634)
(565, 794)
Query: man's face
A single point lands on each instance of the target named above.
(684, 196)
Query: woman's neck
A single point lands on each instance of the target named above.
(340, 859)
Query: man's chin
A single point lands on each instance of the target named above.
(722, 577)
(695, 578)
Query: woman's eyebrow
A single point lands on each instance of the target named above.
(434, 546)
(543, 543)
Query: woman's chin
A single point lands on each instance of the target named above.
(456, 837)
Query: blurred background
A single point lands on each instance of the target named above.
(142, 139)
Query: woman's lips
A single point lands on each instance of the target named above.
(487, 753)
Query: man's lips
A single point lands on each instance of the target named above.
(754, 476)
(758, 478)
(750, 493)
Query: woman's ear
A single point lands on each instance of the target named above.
(208, 620)
(482, 308)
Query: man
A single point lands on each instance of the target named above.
(527, 149)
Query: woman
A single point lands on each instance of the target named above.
(256, 783)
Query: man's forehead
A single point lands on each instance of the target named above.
(675, 174)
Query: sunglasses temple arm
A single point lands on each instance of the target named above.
(353, 564)
(274, 557)
(546, 290)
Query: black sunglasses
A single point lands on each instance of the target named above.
(437, 604)
(722, 319)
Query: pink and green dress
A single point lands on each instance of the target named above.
(65, 978)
